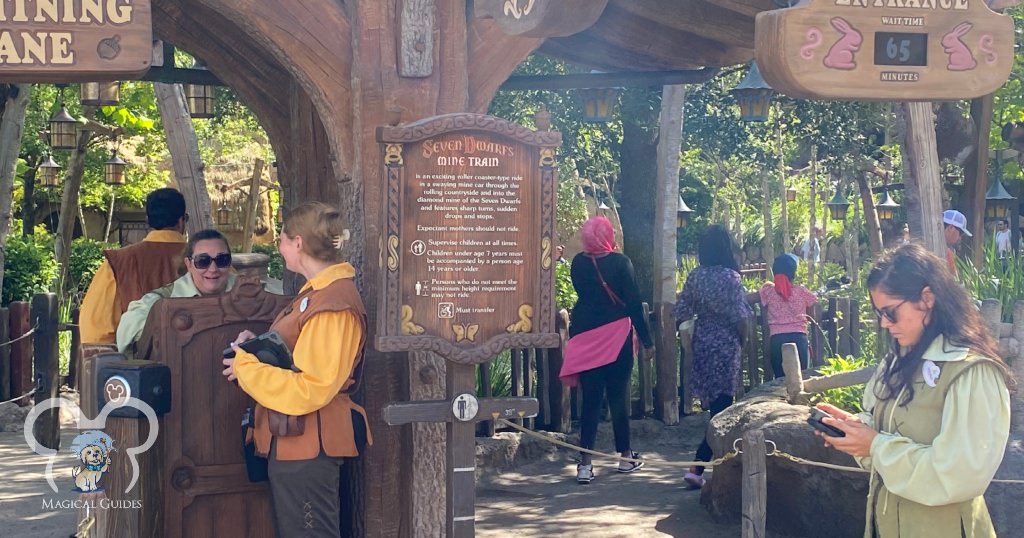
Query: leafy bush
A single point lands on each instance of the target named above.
(565, 294)
(85, 258)
(994, 279)
(29, 267)
(846, 398)
(276, 269)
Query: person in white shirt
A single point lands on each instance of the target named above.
(1003, 238)
(811, 249)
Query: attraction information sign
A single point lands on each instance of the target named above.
(906, 50)
(74, 40)
(468, 227)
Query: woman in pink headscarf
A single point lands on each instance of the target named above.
(600, 351)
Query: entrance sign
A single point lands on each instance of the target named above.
(74, 40)
(469, 226)
(906, 50)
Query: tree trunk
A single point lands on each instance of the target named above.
(28, 200)
(870, 214)
(252, 205)
(184, 148)
(783, 209)
(637, 186)
(768, 250)
(69, 206)
(110, 216)
(670, 140)
(12, 123)
(976, 176)
(814, 213)
(921, 175)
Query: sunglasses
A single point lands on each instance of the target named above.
(203, 261)
(888, 312)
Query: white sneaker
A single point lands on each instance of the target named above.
(584, 473)
(695, 481)
(630, 466)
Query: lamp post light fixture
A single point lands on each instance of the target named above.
(63, 128)
(837, 207)
(682, 214)
(223, 214)
(998, 201)
(886, 209)
(598, 103)
(754, 95)
(200, 98)
(113, 170)
(99, 93)
(791, 194)
(50, 173)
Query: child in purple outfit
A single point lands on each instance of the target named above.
(785, 306)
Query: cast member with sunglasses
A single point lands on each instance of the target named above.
(128, 273)
(306, 421)
(938, 407)
(207, 258)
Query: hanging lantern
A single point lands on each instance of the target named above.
(200, 97)
(50, 173)
(113, 170)
(791, 194)
(63, 128)
(998, 201)
(754, 95)
(223, 214)
(598, 103)
(682, 214)
(886, 209)
(837, 207)
(100, 93)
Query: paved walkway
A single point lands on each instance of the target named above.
(23, 490)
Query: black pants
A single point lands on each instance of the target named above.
(614, 379)
(719, 404)
(776, 341)
(305, 496)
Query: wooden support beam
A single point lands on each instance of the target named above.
(416, 39)
(755, 485)
(976, 176)
(923, 184)
(636, 79)
(251, 206)
(47, 368)
(184, 148)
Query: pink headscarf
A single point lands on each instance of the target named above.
(598, 235)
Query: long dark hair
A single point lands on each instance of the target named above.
(903, 273)
(715, 248)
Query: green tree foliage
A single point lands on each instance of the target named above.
(85, 258)
(29, 267)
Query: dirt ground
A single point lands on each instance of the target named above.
(539, 498)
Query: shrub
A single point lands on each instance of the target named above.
(29, 267)
(565, 294)
(85, 258)
(276, 268)
(845, 398)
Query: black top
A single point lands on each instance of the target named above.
(595, 307)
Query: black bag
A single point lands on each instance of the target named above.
(255, 466)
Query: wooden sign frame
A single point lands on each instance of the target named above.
(885, 50)
(397, 327)
(104, 41)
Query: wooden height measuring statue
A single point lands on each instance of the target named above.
(468, 269)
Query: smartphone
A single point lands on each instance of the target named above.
(815, 421)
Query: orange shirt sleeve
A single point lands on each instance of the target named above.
(325, 354)
(100, 313)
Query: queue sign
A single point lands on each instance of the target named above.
(469, 227)
(906, 50)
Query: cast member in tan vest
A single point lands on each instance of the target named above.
(938, 408)
(306, 421)
(129, 273)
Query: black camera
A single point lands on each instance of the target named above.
(815, 421)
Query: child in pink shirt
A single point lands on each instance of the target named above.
(785, 306)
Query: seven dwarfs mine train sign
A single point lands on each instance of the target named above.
(469, 227)
(900, 50)
(74, 40)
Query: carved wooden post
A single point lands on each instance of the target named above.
(47, 368)
(794, 375)
(5, 356)
(755, 485)
(923, 181)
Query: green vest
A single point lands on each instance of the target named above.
(892, 515)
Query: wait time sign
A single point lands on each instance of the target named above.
(906, 50)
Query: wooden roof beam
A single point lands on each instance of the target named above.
(697, 17)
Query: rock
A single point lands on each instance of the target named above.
(12, 417)
(802, 500)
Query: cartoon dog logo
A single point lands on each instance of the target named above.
(93, 449)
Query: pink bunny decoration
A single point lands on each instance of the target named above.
(840, 55)
(960, 57)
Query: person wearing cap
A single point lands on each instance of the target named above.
(955, 227)
(128, 273)
(785, 305)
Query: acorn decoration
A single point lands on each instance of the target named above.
(109, 48)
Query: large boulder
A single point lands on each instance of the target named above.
(813, 501)
(12, 417)
(802, 500)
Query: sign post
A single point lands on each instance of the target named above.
(885, 50)
(468, 268)
(74, 40)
